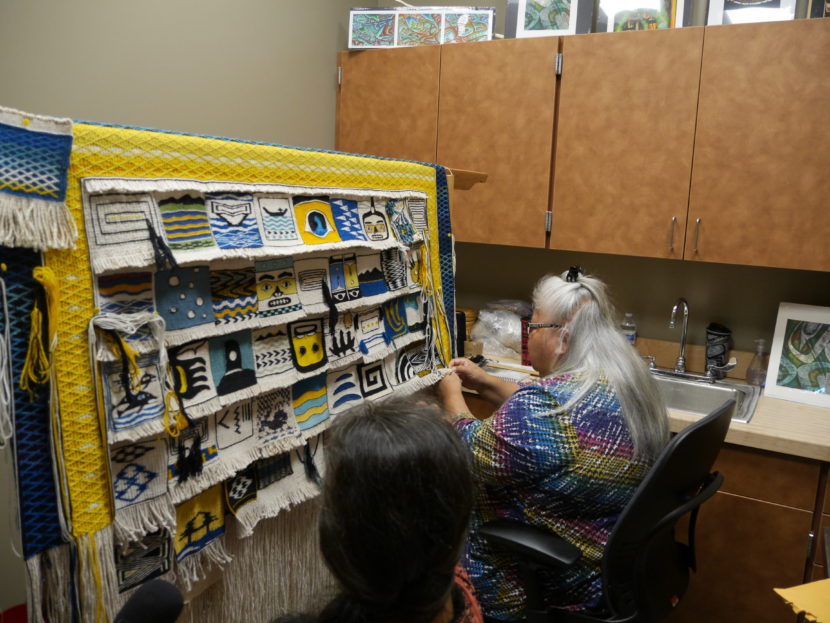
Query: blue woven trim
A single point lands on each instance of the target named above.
(37, 493)
(445, 250)
(36, 159)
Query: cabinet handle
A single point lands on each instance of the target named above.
(697, 233)
(671, 233)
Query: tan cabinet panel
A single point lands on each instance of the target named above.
(625, 140)
(496, 116)
(769, 476)
(387, 103)
(760, 184)
(745, 549)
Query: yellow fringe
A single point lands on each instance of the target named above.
(36, 367)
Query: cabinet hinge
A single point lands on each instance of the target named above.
(548, 221)
(339, 76)
(558, 63)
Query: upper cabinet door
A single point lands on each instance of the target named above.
(387, 103)
(496, 116)
(761, 178)
(624, 142)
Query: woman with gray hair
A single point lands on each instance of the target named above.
(564, 452)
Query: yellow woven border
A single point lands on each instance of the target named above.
(100, 151)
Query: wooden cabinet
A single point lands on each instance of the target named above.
(760, 183)
(496, 112)
(387, 102)
(720, 128)
(751, 537)
(624, 142)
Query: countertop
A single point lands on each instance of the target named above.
(778, 426)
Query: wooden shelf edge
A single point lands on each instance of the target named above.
(465, 180)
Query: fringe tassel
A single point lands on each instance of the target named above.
(133, 522)
(280, 564)
(196, 566)
(50, 577)
(96, 575)
(34, 589)
(36, 224)
(227, 465)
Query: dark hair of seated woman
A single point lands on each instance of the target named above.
(397, 497)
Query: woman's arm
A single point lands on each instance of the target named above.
(492, 388)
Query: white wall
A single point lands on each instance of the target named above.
(253, 69)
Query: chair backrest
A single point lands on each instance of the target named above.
(644, 569)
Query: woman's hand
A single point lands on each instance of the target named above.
(449, 393)
(471, 376)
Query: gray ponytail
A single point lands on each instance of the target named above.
(597, 348)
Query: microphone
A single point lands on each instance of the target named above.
(157, 601)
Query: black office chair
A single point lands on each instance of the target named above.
(645, 571)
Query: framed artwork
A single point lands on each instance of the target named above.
(750, 11)
(408, 26)
(799, 361)
(545, 18)
(622, 15)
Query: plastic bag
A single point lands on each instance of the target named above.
(500, 331)
(522, 308)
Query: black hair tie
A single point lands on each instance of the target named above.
(573, 274)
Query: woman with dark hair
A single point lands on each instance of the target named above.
(397, 497)
(564, 452)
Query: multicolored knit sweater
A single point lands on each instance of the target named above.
(571, 473)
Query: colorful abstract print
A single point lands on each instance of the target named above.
(805, 357)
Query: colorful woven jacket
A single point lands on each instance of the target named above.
(571, 473)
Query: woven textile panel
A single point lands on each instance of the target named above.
(325, 275)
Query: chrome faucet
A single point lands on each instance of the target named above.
(680, 364)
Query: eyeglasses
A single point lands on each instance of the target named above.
(542, 325)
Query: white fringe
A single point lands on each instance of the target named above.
(278, 446)
(143, 259)
(90, 594)
(279, 496)
(34, 584)
(133, 522)
(196, 566)
(151, 428)
(280, 564)
(49, 581)
(226, 465)
(100, 185)
(36, 223)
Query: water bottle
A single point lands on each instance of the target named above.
(629, 329)
(756, 373)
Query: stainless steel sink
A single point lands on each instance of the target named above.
(701, 397)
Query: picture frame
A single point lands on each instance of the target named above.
(395, 27)
(624, 15)
(547, 18)
(799, 362)
(749, 11)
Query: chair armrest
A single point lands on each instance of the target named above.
(536, 544)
